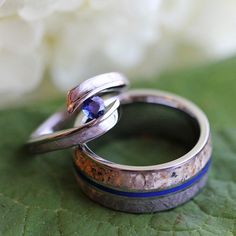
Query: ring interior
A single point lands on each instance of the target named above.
(148, 134)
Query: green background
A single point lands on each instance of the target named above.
(40, 196)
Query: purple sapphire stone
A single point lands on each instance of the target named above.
(94, 107)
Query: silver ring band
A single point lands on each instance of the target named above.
(49, 137)
(104, 178)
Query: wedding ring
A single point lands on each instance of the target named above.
(141, 189)
(123, 187)
(98, 94)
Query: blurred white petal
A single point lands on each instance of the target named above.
(19, 35)
(39, 9)
(175, 15)
(36, 9)
(10, 7)
(19, 73)
(99, 4)
(214, 27)
(67, 5)
(2, 2)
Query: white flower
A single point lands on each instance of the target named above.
(213, 28)
(20, 72)
(21, 63)
(76, 39)
(97, 41)
(33, 9)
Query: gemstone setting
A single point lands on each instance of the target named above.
(94, 107)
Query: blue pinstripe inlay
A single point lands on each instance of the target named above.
(183, 186)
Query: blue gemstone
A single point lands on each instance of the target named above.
(94, 107)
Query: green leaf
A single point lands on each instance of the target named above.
(39, 195)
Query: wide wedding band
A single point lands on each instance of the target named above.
(153, 188)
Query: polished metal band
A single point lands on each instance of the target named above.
(139, 178)
(141, 189)
(50, 137)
